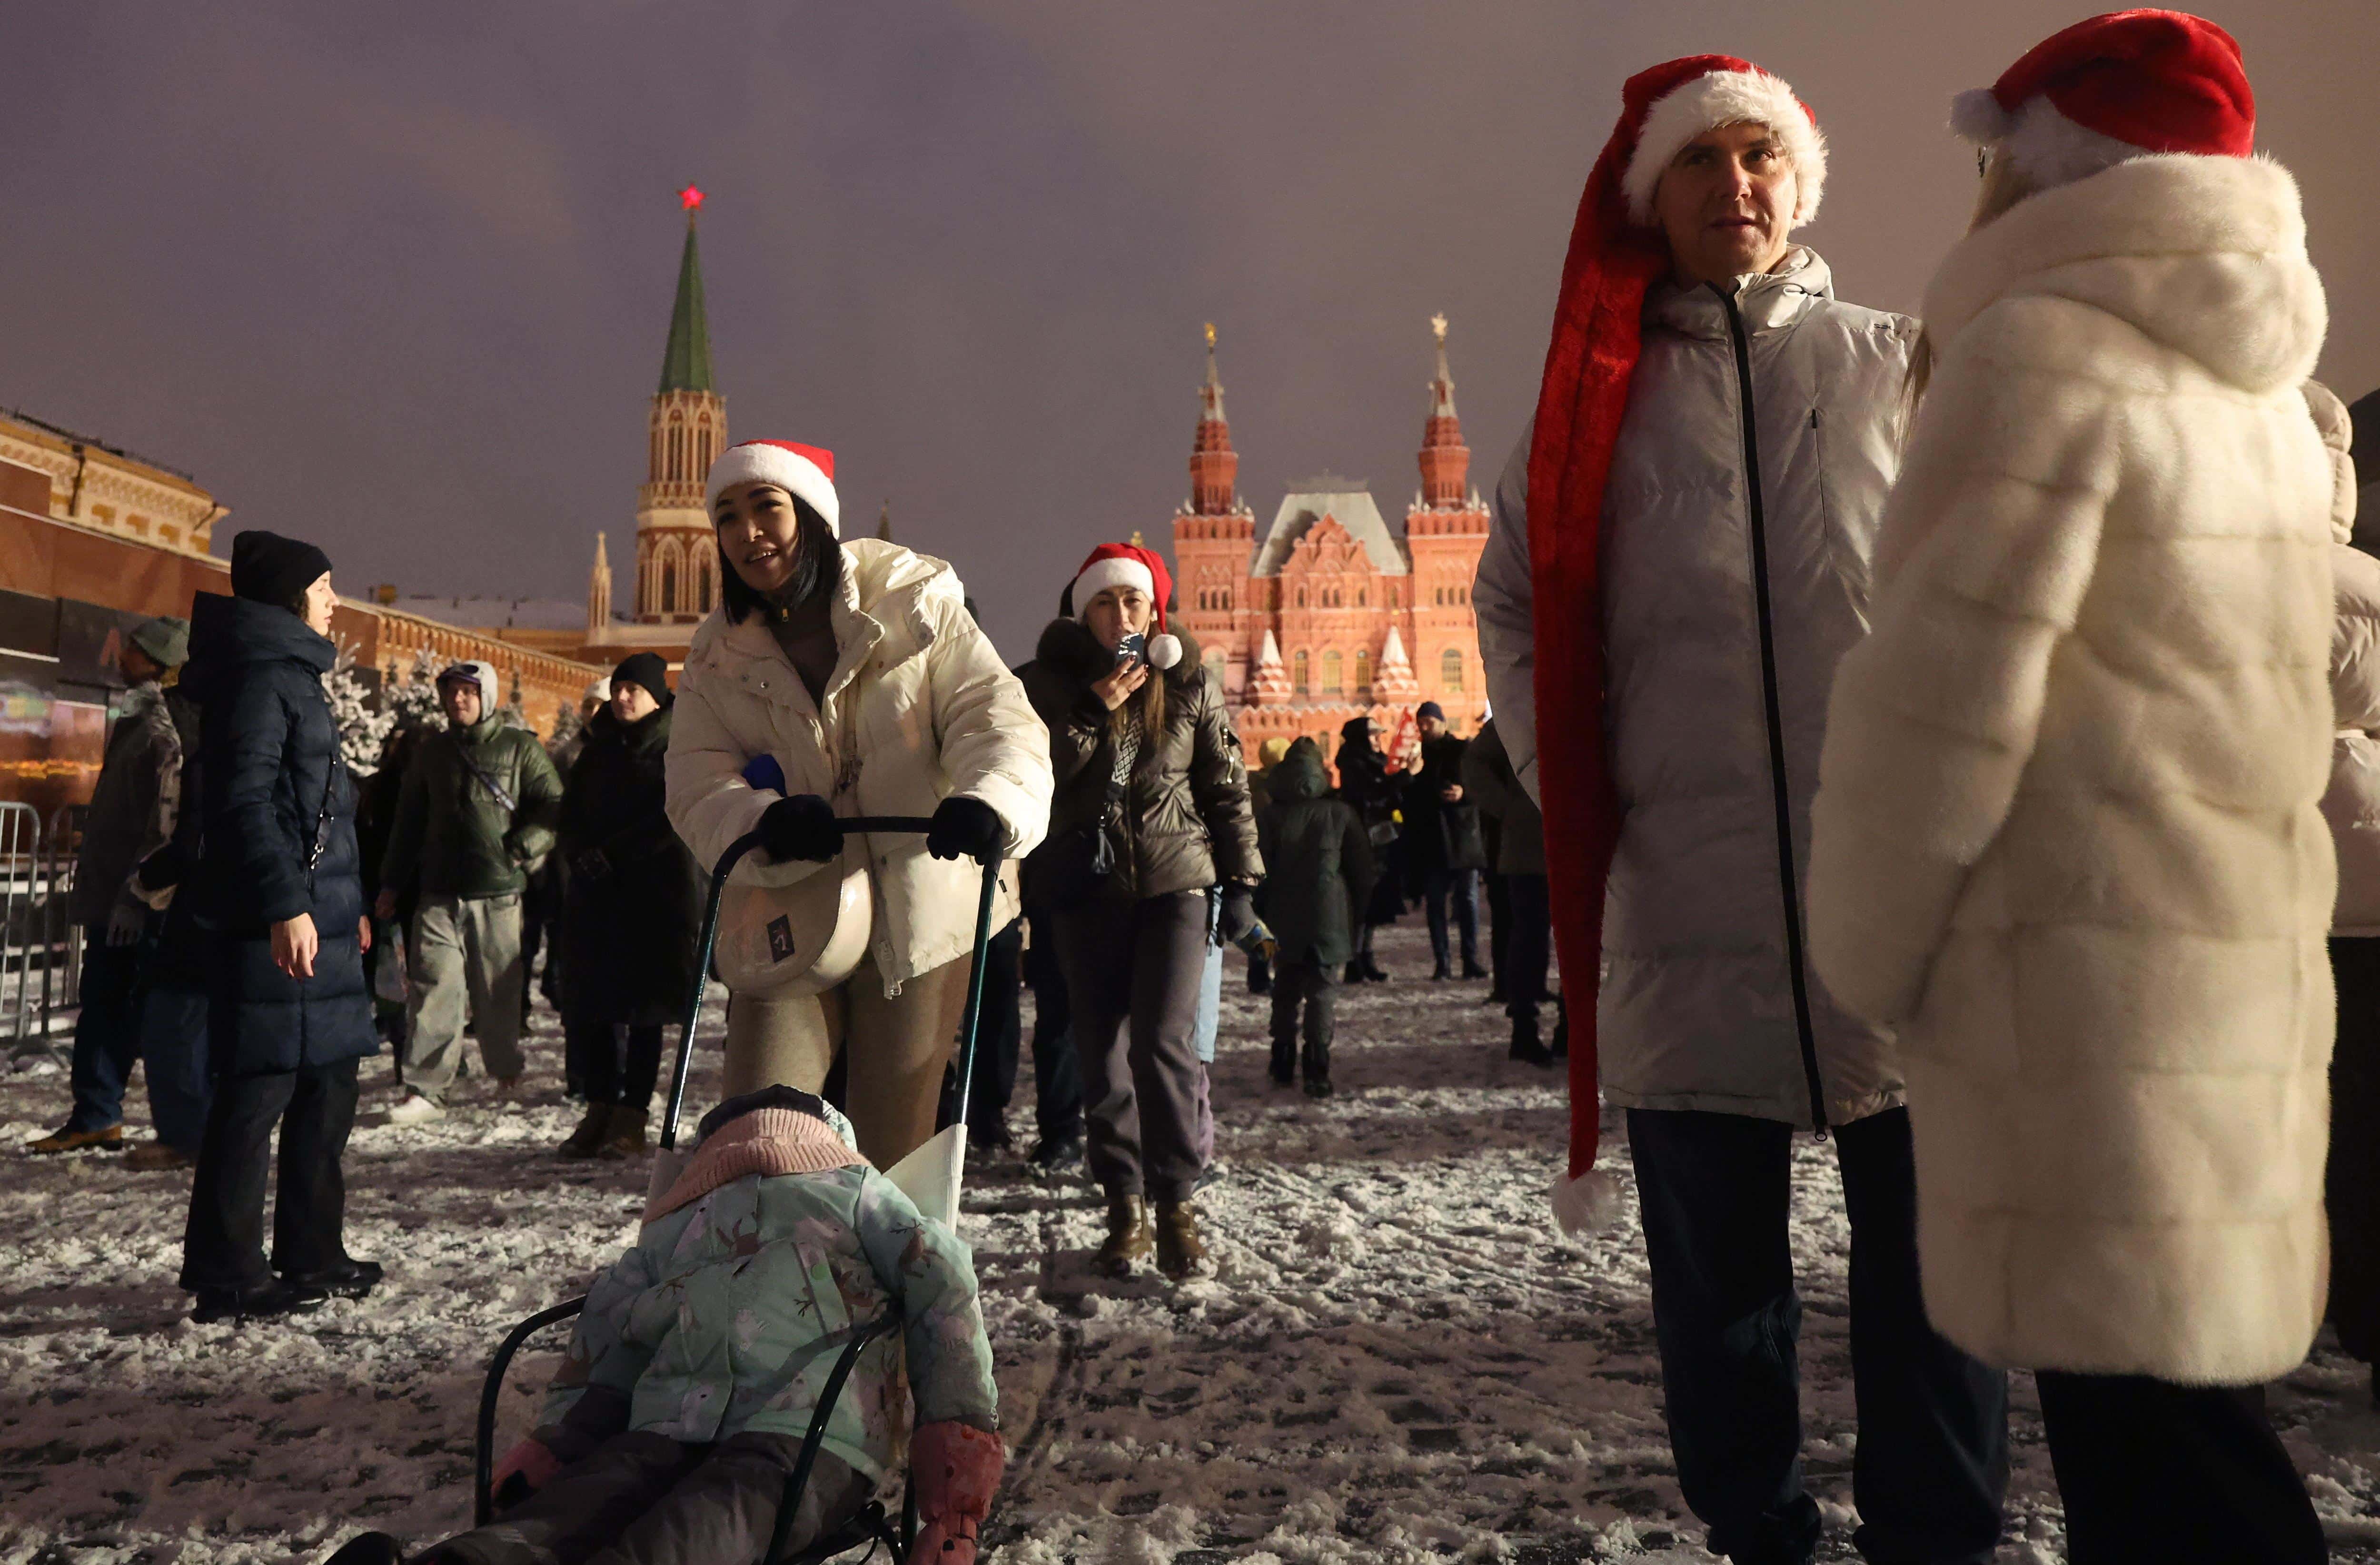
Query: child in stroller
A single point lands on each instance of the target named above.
(697, 1365)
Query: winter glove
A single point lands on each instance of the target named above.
(1239, 913)
(956, 1467)
(801, 828)
(526, 1469)
(965, 828)
(127, 922)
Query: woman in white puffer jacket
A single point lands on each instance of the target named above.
(2352, 808)
(855, 673)
(2068, 838)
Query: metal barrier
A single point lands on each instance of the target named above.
(23, 920)
(62, 977)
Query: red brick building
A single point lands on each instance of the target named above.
(1334, 613)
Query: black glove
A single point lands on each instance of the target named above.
(801, 828)
(1239, 913)
(965, 828)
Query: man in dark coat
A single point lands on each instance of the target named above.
(130, 817)
(278, 882)
(1443, 850)
(631, 913)
(1366, 786)
(1487, 781)
(1318, 862)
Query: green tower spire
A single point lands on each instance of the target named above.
(687, 364)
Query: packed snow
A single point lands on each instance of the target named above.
(1400, 1360)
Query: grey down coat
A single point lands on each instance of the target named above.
(1708, 1002)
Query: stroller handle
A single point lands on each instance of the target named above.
(855, 825)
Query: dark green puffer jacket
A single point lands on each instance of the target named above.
(452, 837)
(1318, 859)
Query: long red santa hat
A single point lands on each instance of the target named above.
(1616, 253)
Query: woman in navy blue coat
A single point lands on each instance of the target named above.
(279, 891)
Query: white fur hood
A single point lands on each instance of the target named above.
(2204, 256)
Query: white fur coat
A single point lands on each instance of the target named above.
(2066, 833)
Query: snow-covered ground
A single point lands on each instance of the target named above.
(1401, 1359)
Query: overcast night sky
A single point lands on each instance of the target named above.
(397, 277)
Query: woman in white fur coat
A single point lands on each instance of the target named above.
(2067, 836)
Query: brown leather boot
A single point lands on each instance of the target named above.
(1180, 1252)
(625, 1137)
(594, 1128)
(1129, 1240)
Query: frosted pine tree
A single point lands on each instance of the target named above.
(363, 722)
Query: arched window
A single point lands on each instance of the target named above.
(1362, 597)
(1449, 669)
(701, 582)
(1301, 598)
(669, 585)
(1364, 673)
(1298, 673)
(1333, 674)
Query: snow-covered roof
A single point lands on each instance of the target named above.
(1347, 502)
(473, 612)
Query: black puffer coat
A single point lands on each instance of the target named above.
(1439, 835)
(1186, 818)
(1365, 783)
(279, 840)
(632, 898)
(1318, 862)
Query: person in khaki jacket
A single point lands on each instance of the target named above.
(477, 809)
(840, 679)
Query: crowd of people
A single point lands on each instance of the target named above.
(1953, 739)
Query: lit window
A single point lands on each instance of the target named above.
(1449, 670)
(1297, 678)
(1362, 673)
(1333, 681)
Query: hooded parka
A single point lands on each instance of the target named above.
(1186, 823)
(136, 801)
(1737, 524)
(279, 840)
(1318, 862)
(918, 707)
(2068, 838)
(452, 837)
(633, 912)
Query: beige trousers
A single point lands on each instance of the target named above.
(899, 1047)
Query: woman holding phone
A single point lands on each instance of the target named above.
(1151, 811)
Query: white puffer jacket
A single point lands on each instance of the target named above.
(919, 708)
(2068, 833)
(2353, 805)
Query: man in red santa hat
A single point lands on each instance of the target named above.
(1680, 554)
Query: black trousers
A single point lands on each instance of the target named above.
(1499, 923)
(1461, 887)
(616, 1065)
(2353, 1178)
(1313, 986)
(1057, 1072)
(1133, 972)
(999, 1041)
(1527, 944)
(223, 1245)
(2155, 1473)
(1932, 1462)
(644, 1500)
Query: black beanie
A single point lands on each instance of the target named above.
(269, 568)
(647, 670)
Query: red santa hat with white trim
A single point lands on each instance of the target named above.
(2116, 86)
(1127, 565)
(1616, 253)
(806, 472)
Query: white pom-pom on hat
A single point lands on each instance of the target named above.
(1976, 115)
(1589, 1204)
(1163, 651)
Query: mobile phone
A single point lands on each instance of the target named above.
(1133, 648)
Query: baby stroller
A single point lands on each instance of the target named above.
(929, 1175)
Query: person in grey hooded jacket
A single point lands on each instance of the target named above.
(1706, 587)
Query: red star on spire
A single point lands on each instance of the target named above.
(691, 198)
